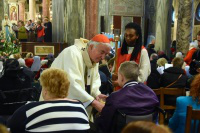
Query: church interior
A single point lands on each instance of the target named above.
(99, 66)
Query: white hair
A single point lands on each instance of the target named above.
(193, 44)
(43, 62)
(179, 54)
(22, 62)
(97, 43)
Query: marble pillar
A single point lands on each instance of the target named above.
(5, 6)
(68, 20)
(74, 19)
(101, 12)
(176, 5)
(58, 20)
(163, 25)
(91, 18)
(32, 9)
(150, 19)
(184, 27)
(45, 8)
(21, 9)
(2, 13)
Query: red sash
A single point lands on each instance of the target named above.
(126, 57)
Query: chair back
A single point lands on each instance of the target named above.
(27, 94)
(12, 100)
(192, 124)
(168, 91)
(120, 120)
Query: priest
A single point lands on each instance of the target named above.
(80, 61)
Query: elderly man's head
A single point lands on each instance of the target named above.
(55, 84)
(98, 48)
(128, 71)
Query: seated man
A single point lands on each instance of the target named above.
(56, 114)
(133, 99)
(173, 77)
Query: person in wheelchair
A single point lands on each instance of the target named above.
(133, 99)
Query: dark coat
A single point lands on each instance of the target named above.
(13, 76)
(150, 51)
(153, 81)
(196, 55)
(133, 99)
(48, 32)
(15, 81)
(170, 75)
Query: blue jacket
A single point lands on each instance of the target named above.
(177, 122)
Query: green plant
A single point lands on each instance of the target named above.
(8, 48)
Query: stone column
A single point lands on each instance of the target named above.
(32, 10)
(5, 6)
(163, 25)
(184, 27)
(58, 20)
(68, 20)
(45, 8)
(2, 12)
(176, 4)
(21, 9)
(91, 18)
(74, 20)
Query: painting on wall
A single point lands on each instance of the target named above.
(13, 12)
(44, 50)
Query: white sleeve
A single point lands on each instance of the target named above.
(69, 61)
(96, 82)
(144, 66)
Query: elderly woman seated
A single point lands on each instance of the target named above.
(56, 113)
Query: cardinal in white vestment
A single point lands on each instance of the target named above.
(80, 61)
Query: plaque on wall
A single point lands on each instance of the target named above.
(43, 50)
(127, 7)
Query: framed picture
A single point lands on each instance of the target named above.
(13, 12)
(43, 50)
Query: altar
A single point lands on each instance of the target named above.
(42, 49)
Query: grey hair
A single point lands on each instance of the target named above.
(130, 70)
(154, 56)
(97, 43)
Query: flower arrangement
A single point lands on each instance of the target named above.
(9, 47)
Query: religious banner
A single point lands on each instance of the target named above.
(13, 12)
(127, 7)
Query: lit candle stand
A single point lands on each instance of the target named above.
(116, 39)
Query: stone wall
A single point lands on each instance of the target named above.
(127, 7)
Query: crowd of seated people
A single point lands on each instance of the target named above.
(133, 99)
